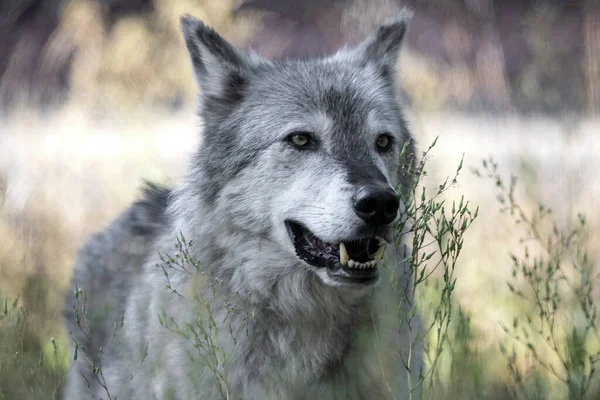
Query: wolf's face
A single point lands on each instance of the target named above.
(305, 154)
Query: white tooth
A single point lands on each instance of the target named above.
(371, 264)
(343, 254)
(362, 266)
(351, 263)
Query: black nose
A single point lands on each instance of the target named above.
(376, 205)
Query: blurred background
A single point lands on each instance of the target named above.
(96, 95)
(474, 55)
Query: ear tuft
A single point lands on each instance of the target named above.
(385, 45)
(221, 70)
(206, 46)
(188, 23)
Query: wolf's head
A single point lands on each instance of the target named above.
(303, 155)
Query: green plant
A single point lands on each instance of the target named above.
(556, 279)
(434, 232)
(86, 319)
(207, 327)
(29, 369)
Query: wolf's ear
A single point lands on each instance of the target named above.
(221, 70)
(383, 47)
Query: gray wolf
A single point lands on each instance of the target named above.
(289, 203)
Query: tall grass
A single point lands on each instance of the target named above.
(479, 359)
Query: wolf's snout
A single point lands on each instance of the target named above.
(376, 205)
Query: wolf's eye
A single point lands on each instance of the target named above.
(300, 140)
(384, 142)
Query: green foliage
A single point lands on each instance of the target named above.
(435, 233)
(29, 368)
(556, 280)
(552, 343)
(206, 328)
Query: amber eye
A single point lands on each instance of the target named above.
(384, 142)
(301, 140)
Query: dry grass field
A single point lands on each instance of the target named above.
(128, 116)
(67, 174)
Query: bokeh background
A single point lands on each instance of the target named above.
(96, 95)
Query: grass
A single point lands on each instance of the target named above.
(48, 210)
(66, 175)
(31, 366)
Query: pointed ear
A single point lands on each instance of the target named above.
(220, 69)
(383, 47)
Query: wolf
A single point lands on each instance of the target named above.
(287, 214)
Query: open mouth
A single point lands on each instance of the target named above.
(353, 260)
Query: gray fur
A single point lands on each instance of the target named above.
(309, 337)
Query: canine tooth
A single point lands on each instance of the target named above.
(379, 253)
(343, 254)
